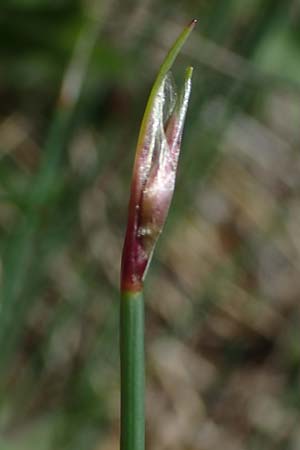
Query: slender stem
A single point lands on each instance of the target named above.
(132, 371)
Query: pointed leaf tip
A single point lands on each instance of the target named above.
(192, 23)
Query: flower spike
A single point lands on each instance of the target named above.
(155, 167)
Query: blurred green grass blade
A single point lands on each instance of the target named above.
(20, 249)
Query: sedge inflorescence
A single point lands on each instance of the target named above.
(154, 175)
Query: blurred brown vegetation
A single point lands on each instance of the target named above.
(222, 314)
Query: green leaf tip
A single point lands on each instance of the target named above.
(192, 22)
(164, 69)
(175, 49)
(188, 73)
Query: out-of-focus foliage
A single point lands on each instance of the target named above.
(223, 353)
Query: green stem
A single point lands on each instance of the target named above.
(132, 371)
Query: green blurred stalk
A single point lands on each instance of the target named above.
(18, 255)
(132, 371)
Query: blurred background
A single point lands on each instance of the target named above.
(222, 295)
